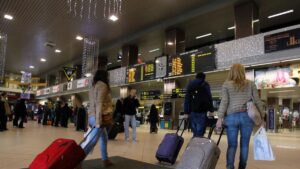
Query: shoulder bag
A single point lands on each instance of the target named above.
(252, 110)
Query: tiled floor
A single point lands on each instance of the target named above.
(19, 146)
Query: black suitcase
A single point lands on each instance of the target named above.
(113, 131)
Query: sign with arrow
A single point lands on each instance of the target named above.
(70, 72)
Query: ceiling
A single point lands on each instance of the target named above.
(142, 22)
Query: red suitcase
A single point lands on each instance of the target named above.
(61, 154)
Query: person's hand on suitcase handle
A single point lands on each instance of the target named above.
(219, 124)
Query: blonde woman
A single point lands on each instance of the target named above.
(236, 91)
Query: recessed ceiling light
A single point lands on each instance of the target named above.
(31, 67)
(154, 50)
(170, 43)
(57, 51)
(43, 60)
(88, 74)
(113, 18)
(256, 20)
(203, 36)
(9, 17)
(79, 37)
(0, 37)
(230, 28)
(157, 61)
(109, 63)
(140, 54)
(22, 72)
(281, 13)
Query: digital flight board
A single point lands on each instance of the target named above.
(194, 61)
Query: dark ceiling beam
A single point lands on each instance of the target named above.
(213, 5)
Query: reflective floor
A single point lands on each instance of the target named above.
(19, 146)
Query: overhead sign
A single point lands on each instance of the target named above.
(135, 74)
(150, 95)
(55, 89)
(161, 67)
(149, 70)
(281, 41)
(82, 83)
(70, 72)
(25, 96)
(26, 77)
(38, 92)
(191, 62)
(70, 86)
(46, 91)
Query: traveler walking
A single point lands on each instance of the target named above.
(100, 110)
(236, 92)
(198, 101)
(130, 105)
(20, 113)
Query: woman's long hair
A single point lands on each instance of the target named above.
(101, 75)
(238, 76)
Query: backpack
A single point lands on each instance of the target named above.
(199, 99)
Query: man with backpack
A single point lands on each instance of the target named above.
(198, 101)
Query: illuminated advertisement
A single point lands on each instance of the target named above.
(55, 89)
(149, 71)
(161, 66)
(82, 83)
(135, 74)
(274, 78)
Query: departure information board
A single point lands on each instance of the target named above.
(135, 74)
(149, 70)
(150, 95)
(194, 61)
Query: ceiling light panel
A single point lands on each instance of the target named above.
(203, 36)
(281, 13)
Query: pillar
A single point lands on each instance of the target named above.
(245, 14)
(174, 41)
(129, 55)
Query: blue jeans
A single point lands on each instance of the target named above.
(103, 138)
(198, 123)
(128, 119)
(238, 122)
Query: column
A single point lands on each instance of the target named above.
(245, 16)
(129, 55)
(174, 41)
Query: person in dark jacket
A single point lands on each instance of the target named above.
(57, 114)
(198, 101)
(81, 119)
(65, 112)
(20, 113)
(153, 119)
(4, 111)
(118, 114)
(131, 103)
(40, 114)
(47, 113)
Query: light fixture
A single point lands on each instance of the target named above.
(79, 37)
(282, 91)
(157, 61)
(140, 54)
(170, 43)
(57, 51)
(43, 60)
(203, 36)
(88, 74)
(153, 50)
(0, 37)
(113, 18)
(281, 13)
(109, 63)
(119, 60)
(9, 17)
(230, 28)
(31, 67)
(22, 72)
(256, 20)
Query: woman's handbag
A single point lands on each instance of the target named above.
(107, 120)
(252, 110)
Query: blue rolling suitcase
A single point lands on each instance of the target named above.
(90, 140)
(170, 146)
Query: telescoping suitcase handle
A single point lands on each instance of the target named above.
(178, 128)
(212, 130)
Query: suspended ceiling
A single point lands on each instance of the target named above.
(142, 22)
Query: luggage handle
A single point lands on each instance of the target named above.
(211, 132)
(87, 136)
(178, 128)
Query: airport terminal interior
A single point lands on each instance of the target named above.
(50, 51)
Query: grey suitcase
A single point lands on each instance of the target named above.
(201, 153)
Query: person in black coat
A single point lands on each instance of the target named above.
(40, 114)
(153, 119)
(65, 112)
(57, 114)
(20, 113)
(2, 116)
